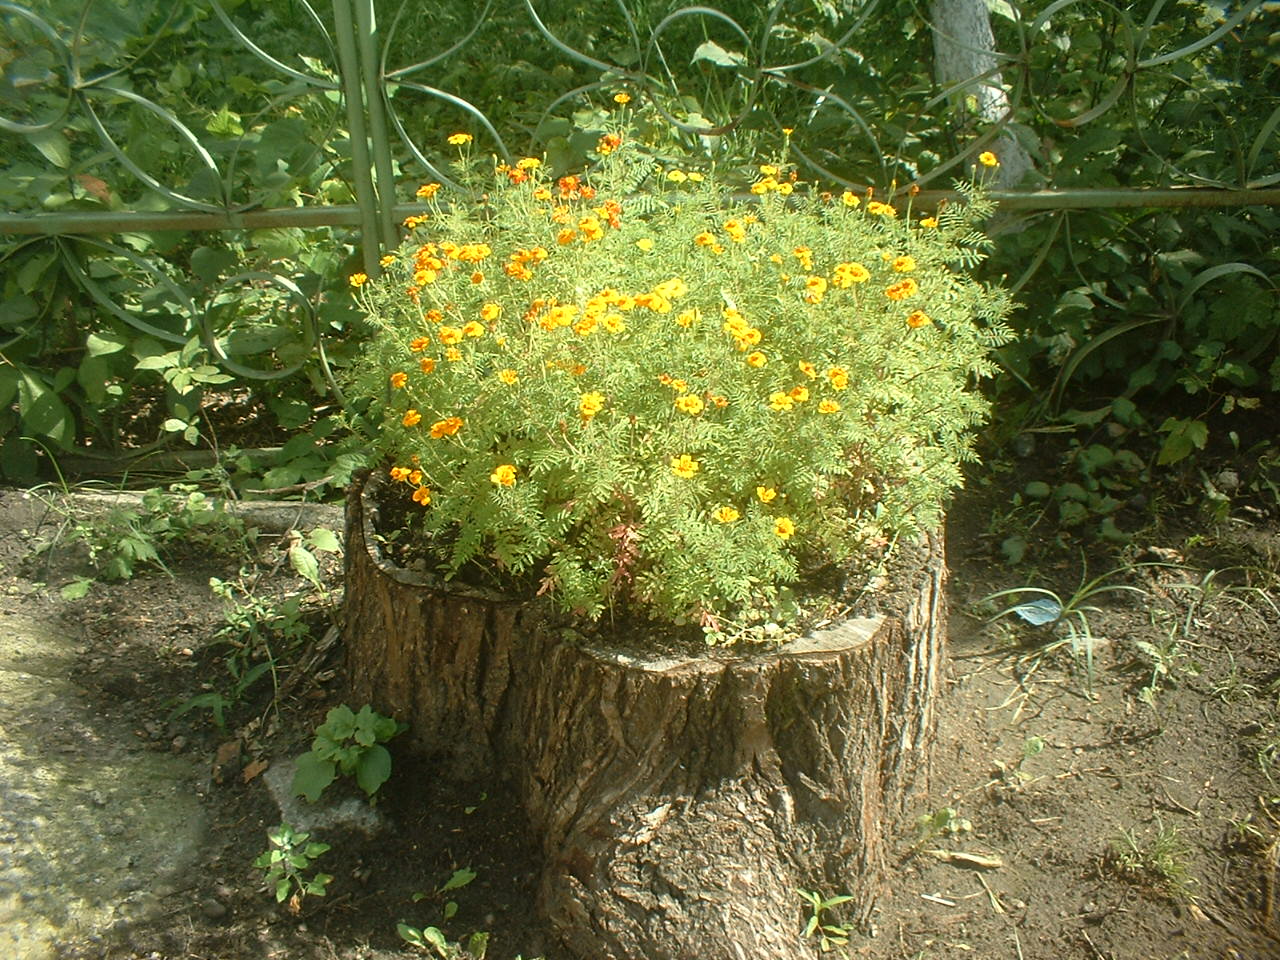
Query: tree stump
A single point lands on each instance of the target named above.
(680, 802)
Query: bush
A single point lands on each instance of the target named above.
(653, 395)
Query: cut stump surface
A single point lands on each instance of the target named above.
(680, 802)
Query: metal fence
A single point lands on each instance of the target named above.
(80, 76)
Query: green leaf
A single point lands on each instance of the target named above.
(312, 776)
(322, 538)
(282, 889)
(76, 589)
(53, 146)
(712, 52)
(1184, 437)
(304, 563)
(225, 123)
(102, 343)
(42, 412)
(373, 768)
(459, 880)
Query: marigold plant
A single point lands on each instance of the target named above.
(644, 394)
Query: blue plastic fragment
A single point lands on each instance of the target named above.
(1039, 612)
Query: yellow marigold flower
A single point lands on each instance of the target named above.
(878, 209)
(399, 473)
(415, 477)
(446, 427)
(414, 222)
(902, 289)
(508, 376)
(799, 394)
(785, 188)
(589, 404)
(678, 385)
(473, 328)
(689, 317)
(608, 143)
(929, 223)
(850, 198)
(458, 139)
(450, 335)
(748, 337)
(904, 264)
(427, 191)
(705, 239)
(528, 163)
(761, 187)
(787, 131)
(490, 312)
(720, 402)
(591, 229)
(839, 378)
(358, 279)
(672, 289)
(695, 176)
(766, 494)
(815, 289)
(756, 359)
(426, 365)
(622, 98)
(418, 344)
(828, 406)
(780, 401)
(477, 277)
(988, 159)
(587, 325)
(726, 515)
(805, 256)
(684, 466)
(919, 319)
(542, 193)
(645, 244)
(783, 528)
(453, 354)
(504, 475)
(736, 231)
(411, 418)
(399, 379)
(422, 496)
(677, 176)
(689, 404)
(613, 323)
(566, 237)
(387, 260)
(807, 368)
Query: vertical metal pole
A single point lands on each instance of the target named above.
(371, 74)
(361, 170)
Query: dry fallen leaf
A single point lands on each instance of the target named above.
(253, 769)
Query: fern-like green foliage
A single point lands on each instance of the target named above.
(670, 399)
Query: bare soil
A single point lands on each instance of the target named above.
(1101, 825)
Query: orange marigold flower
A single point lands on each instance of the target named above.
(608, 143)
(422, 496)
(684, 466)
(399, 379)
(566, 237)
(415, 477)
(435, 316)
(426, 365)
(427, 191)
(477, 277)
(919, 319)
(504, 475)
(446, 427)
(399, 473)
(418, 344)
(902, 289)
(411, 418)
(783, 528)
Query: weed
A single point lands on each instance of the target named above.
(1162, 861)
(945, 822)
(820, 925)
(285, 862)
(351, 744)
(432, 937)
(1066, 618)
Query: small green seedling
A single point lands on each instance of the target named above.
(347, 743)
(945, 822)
(431, 939)
(819, 925)
(285, 862)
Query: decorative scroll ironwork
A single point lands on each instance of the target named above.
(725, 81)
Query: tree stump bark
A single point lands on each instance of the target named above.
(680, 802)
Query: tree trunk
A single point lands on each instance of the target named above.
(680, 802)
(964, 49)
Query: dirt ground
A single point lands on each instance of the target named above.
(1071, 815)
